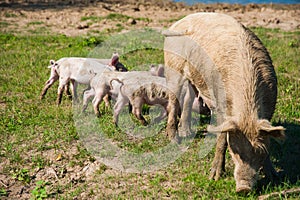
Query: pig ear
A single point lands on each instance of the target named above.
(161, 71)
(227, 126)
(114, 60)
(266, 128)
(152, 67)
(52, 62)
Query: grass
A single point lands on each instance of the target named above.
(113, 17)
(10, 15)
(37, 135)
(35, 23)
(173, 20)
(4, 24)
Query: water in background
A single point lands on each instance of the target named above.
(190, 2)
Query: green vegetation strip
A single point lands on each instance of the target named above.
(113, 17)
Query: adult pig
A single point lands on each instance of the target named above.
(234, 75)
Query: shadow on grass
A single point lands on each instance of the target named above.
(61, 4)
(42, 5)
(285, 157)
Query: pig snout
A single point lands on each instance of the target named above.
(245, 178)
(243, 187)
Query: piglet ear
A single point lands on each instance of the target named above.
(52, 62)
(227, 126)
(266, 128)
(161, 70)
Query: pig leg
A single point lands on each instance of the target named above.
(62, 84)
(67, 91)
(186, 114)
(74, 90)
(106, 100)
(139, 116)
(117, 109)
(137, 104)
(48, 84)
(172, 116)
(218, 164)
(175, 83)
(86, 97)
(96, 102)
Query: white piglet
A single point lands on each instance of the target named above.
(72, 70)
(133, 87)
(137, 90)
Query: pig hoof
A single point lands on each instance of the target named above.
(144, 123)
(212, 174)
(176, 139)
(217, 168)
(215, 174)
(184, 132)
(171, 132)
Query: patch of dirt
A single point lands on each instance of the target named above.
(63, 170)
(78, 19)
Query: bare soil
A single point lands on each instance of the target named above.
(68, 19)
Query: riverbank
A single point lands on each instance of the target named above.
(113, 15)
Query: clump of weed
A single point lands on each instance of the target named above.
(35, 23)
(22, 175)
(114, 17)
(10, 15)
(40, 192)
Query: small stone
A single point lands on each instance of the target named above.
(136, 9)
(131, 21)
(82, 26)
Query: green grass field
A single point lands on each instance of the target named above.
(41, 155)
